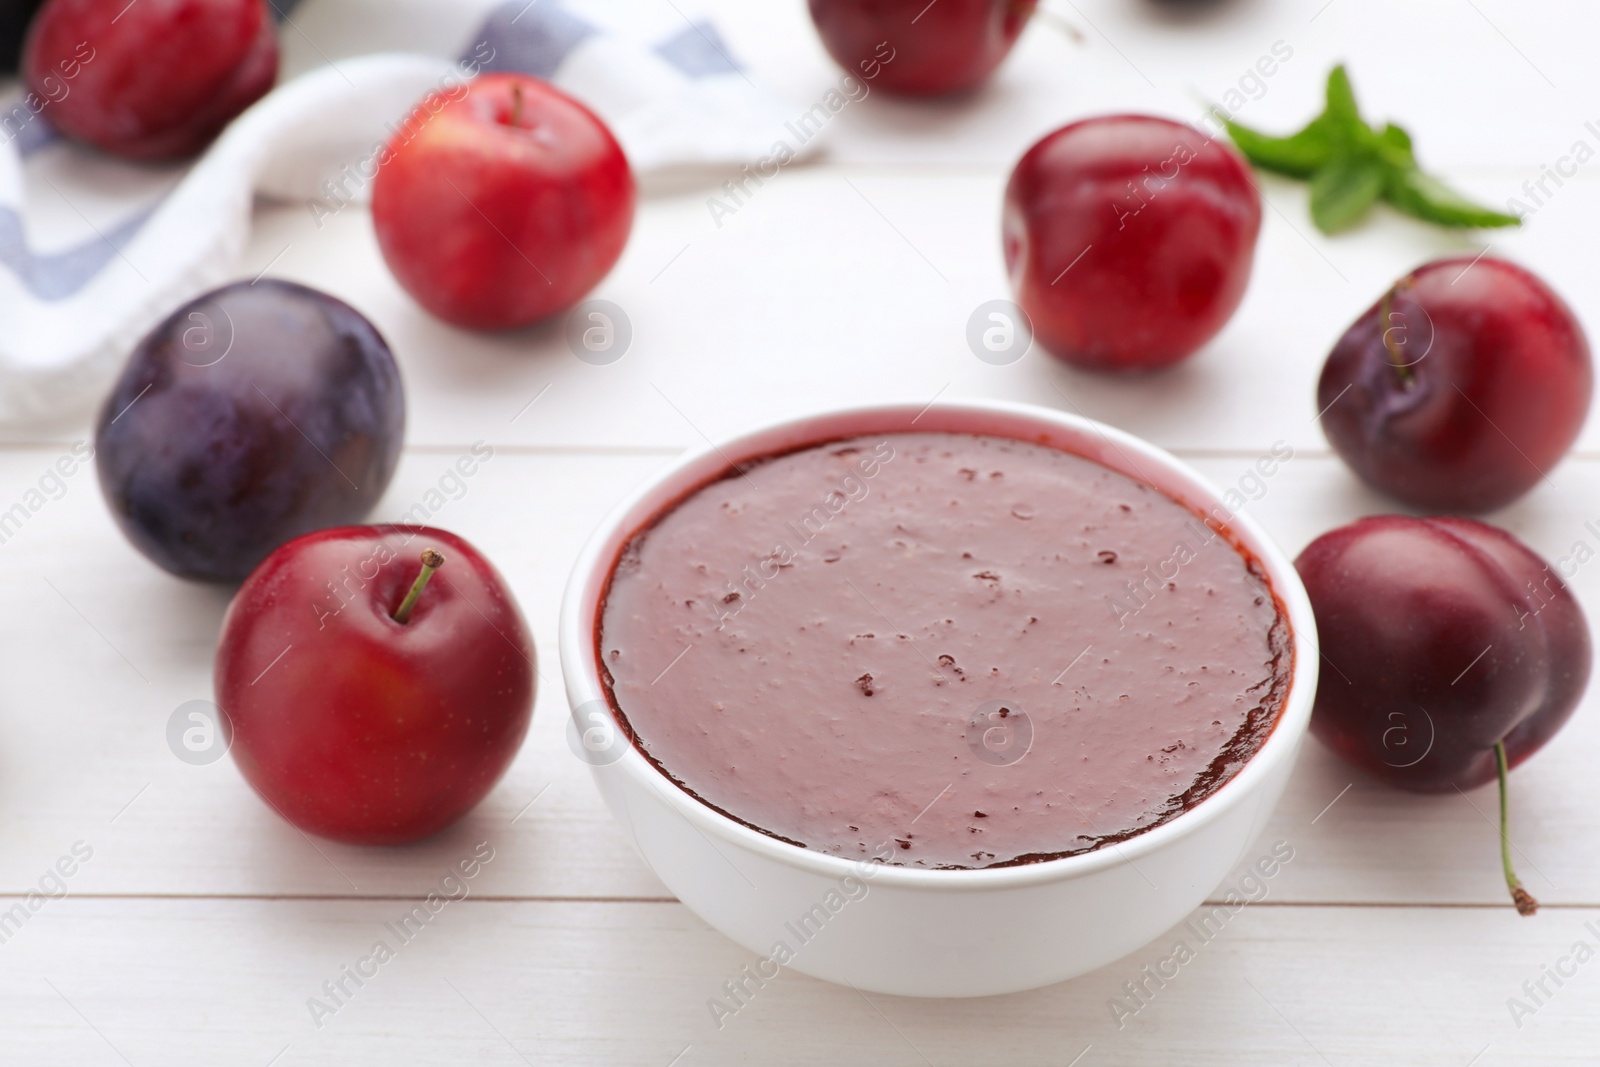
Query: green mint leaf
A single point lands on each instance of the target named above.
(1343, 190)
(1395, 146)
(1427, 198)
(1299, 155)
(1337, 130)
(1341, 106)
(1349, 164)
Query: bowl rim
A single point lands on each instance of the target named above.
(1118, 450)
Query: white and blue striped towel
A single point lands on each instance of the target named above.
(94, 251)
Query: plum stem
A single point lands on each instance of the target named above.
(1397, 359)
(431, 561)
(1523, 899)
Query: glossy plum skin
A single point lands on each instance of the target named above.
(158, 79)
(917, 49)
(492, 224)
(1440, 637)
(1460, 388)
(1129, 240)
(368, 730)
(253, 414)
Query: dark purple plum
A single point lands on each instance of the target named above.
(253, 414)
(1460, 388)
(1452, 653)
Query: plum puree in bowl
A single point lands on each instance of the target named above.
(941, 650)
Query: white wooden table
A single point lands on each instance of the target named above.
(202, 924)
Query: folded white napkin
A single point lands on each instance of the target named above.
(94, 251)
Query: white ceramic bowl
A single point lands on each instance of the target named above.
(934, 933)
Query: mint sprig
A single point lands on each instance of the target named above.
(1349, 165)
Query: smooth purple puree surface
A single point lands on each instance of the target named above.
(941, 650)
